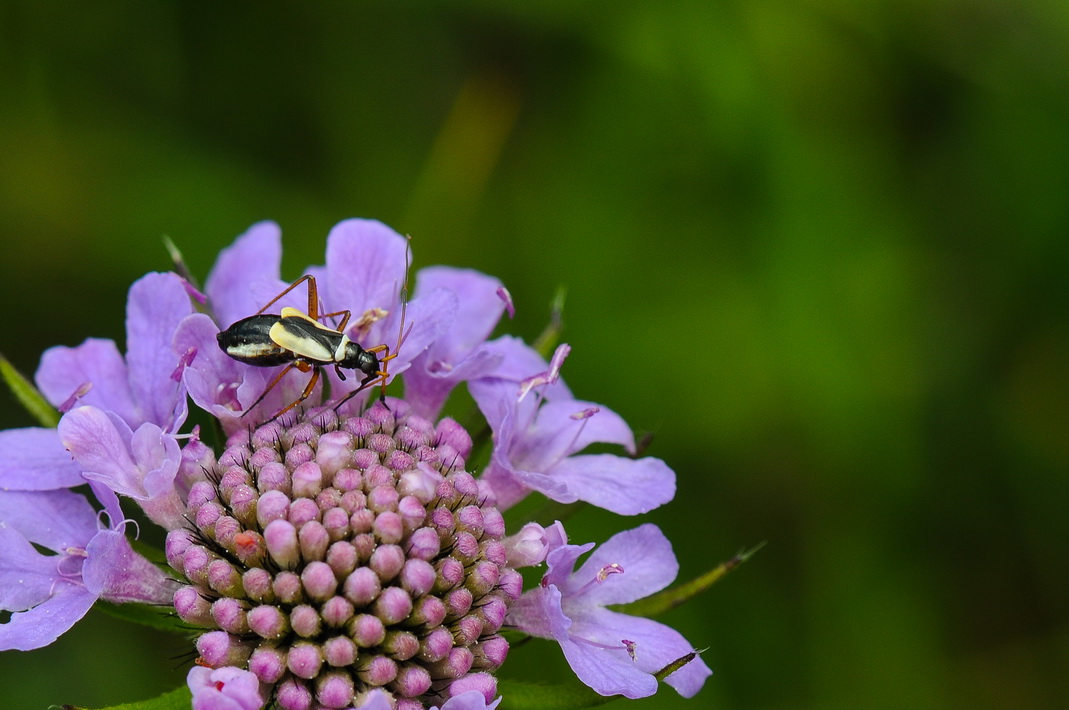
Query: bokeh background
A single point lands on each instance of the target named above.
(818, 248)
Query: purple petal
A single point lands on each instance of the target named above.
(469, 700)
(246, 274)
(226, 688)
(622, 485)
(538, 613)
(100, 446)
(564, 427)
(96, 362)
(141, 465)
(560, 562)
(427, 319)
(655, 646)
(33, 459)
(56, 519)
(520, 361)
(480, 308)
(375, 700)
(27, 577)
(156, 305)
(607, 671)
(648, 563)
(365, 268)
(43, 624)
(115, 572)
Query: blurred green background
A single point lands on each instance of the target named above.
(839, 229)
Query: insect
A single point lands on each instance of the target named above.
(299, 340)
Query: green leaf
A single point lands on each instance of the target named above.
(156, 617)
(177, 699)
(28, 395)
(671, 598)
(519, 695)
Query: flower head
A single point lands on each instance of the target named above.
(340, 552)
(336, 556)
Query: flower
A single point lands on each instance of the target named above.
(339, 552)
(611, 652)
(539, 430)
(334, 556)
(49, 593)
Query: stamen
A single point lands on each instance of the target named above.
(548, 377)
(504, 295)
(183, 363)
(81, 391)
(603, 574)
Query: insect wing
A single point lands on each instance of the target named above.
(305, 339)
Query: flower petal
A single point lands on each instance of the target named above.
(97, 363)
(246, 271)
(520, 361)
(648, 562)
(654, 645)
(33, 459)
(26, 576)
(480, 308)
(115, 572)
(101, 449)
(609, 671)
(365, 268)
(156, 305)
(226, 688)
(43, 624)
(53, 519)
(622, 485)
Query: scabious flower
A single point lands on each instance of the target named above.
(344, 554)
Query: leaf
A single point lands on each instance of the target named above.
(671, 598)
(520, 695)
(28, 395)
(156, 617)
(177, 699)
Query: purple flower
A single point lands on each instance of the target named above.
(140, 464)
(49, 593)
(539, 430)
(226, 688)
(340, 555)
(613, 653)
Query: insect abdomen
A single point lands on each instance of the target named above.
(248, 341)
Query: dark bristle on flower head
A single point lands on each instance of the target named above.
(332, 556)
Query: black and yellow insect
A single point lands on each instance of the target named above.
(299, 340)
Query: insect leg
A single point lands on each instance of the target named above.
(313, 296)
(270, 387)
(344, 321)
(304, 395)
